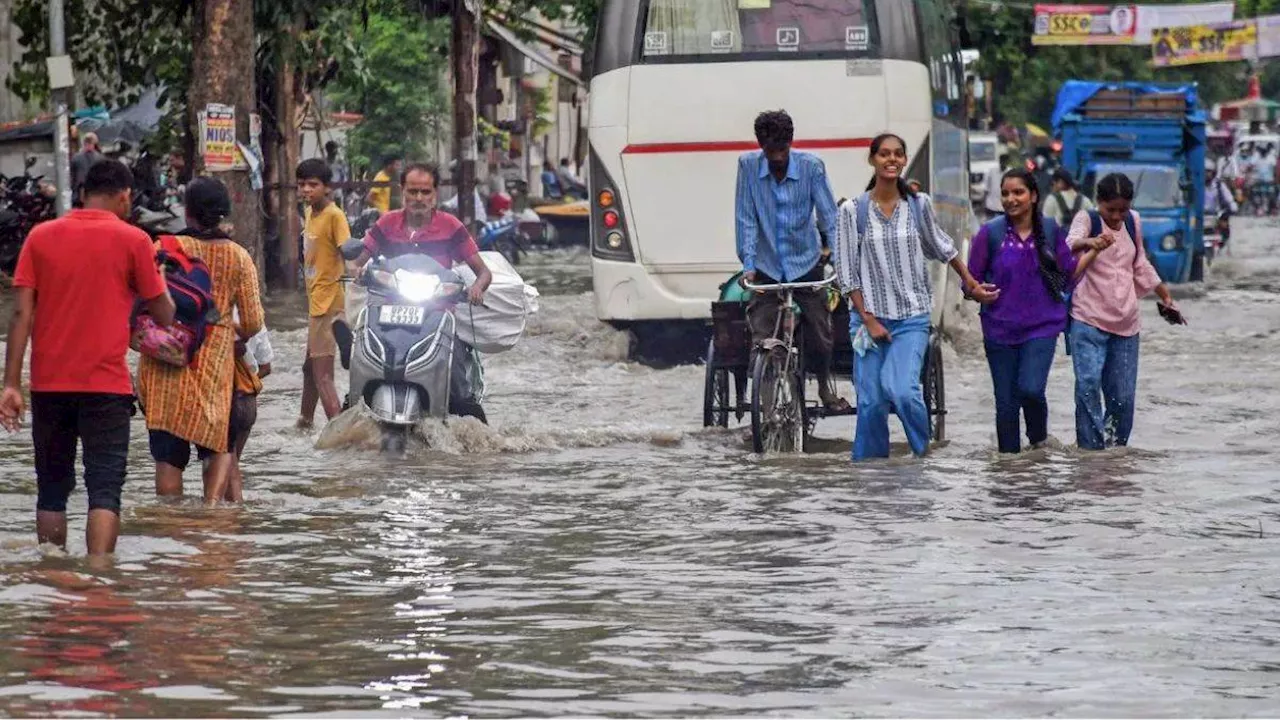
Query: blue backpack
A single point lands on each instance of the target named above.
(996, 230)
(913, 205)
(191, 287)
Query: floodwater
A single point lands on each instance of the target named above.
(597, 552)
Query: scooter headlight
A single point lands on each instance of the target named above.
(1169, 242)
(417, 287)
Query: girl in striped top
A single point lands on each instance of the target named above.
(882, 241)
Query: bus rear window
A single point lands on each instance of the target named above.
(690, 28)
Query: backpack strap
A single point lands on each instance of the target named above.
(1075, 209)
(917, 216)
(1051, 227)
(1060, 201)
(1130, 224)
(996, 230)
(864, 214)
(171, 246)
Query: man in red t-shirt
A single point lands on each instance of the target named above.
(75, 286)
(420, 228)
(436, 234)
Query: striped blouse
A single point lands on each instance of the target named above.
(888, 263)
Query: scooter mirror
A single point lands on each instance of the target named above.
(352, 248)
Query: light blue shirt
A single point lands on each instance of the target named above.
(774, 221)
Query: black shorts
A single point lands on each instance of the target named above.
(98, 422)
(244, 413)
(173, 450)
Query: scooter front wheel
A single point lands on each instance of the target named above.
(395, 439)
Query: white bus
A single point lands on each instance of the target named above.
(675, 90)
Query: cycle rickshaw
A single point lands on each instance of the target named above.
(768, 382)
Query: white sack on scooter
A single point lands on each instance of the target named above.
(499, 324)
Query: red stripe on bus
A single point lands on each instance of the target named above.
(735, 146)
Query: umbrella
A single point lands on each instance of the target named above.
(1251, 108)
(132, 124)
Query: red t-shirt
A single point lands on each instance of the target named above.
(445, 238)
(86, 268)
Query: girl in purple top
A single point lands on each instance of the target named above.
(1033, 266)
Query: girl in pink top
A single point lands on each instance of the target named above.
(1105, 318)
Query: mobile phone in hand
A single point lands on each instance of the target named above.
(1171, 315)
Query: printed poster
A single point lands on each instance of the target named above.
(1221, 42)
(1085, 24)
(218, 137)
(1120, 24)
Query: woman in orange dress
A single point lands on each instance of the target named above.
(191, 405)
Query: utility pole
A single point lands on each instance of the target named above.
(60, 95)
(466, 18)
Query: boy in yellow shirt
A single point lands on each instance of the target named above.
(323, 235)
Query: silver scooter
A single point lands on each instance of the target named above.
(405, 361)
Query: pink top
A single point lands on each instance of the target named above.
(1108, 292)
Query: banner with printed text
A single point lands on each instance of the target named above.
(1120, 24)
(1220, 42)
(1085, 24)
(219, 137)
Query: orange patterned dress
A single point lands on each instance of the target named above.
(194, 402)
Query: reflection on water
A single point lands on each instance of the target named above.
(595, 551)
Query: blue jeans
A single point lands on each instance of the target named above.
(890, 374)
(1106, 368)
(1019, 374)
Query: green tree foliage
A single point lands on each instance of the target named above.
(1026, 78)
(401, 96)
(384, 58)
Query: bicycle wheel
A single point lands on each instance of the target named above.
(715, 392)
(935, 391)
(777, 410)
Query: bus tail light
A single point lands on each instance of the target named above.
(609, 239)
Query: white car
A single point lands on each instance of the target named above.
(984, 158)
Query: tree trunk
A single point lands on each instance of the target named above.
(290, 227)
(223, 72)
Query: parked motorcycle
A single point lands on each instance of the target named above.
(25, 201)
(511, 235)
(406, 363)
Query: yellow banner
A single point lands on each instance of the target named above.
(1222, 42)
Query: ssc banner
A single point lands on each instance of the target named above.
(1220, 42)
(1085, 24)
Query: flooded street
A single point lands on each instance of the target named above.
(597, 552)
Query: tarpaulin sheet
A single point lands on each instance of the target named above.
(1075, 93)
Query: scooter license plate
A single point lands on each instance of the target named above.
(407, 315)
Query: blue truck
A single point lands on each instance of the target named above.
(1155, 134)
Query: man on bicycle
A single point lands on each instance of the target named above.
(779, 192)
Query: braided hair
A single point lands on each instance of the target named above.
(1055, 281)
(1116, 186)
(904, 189)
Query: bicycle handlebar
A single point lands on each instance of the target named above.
(780, 287)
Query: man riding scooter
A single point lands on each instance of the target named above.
(1220, 204)
(420, 229)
